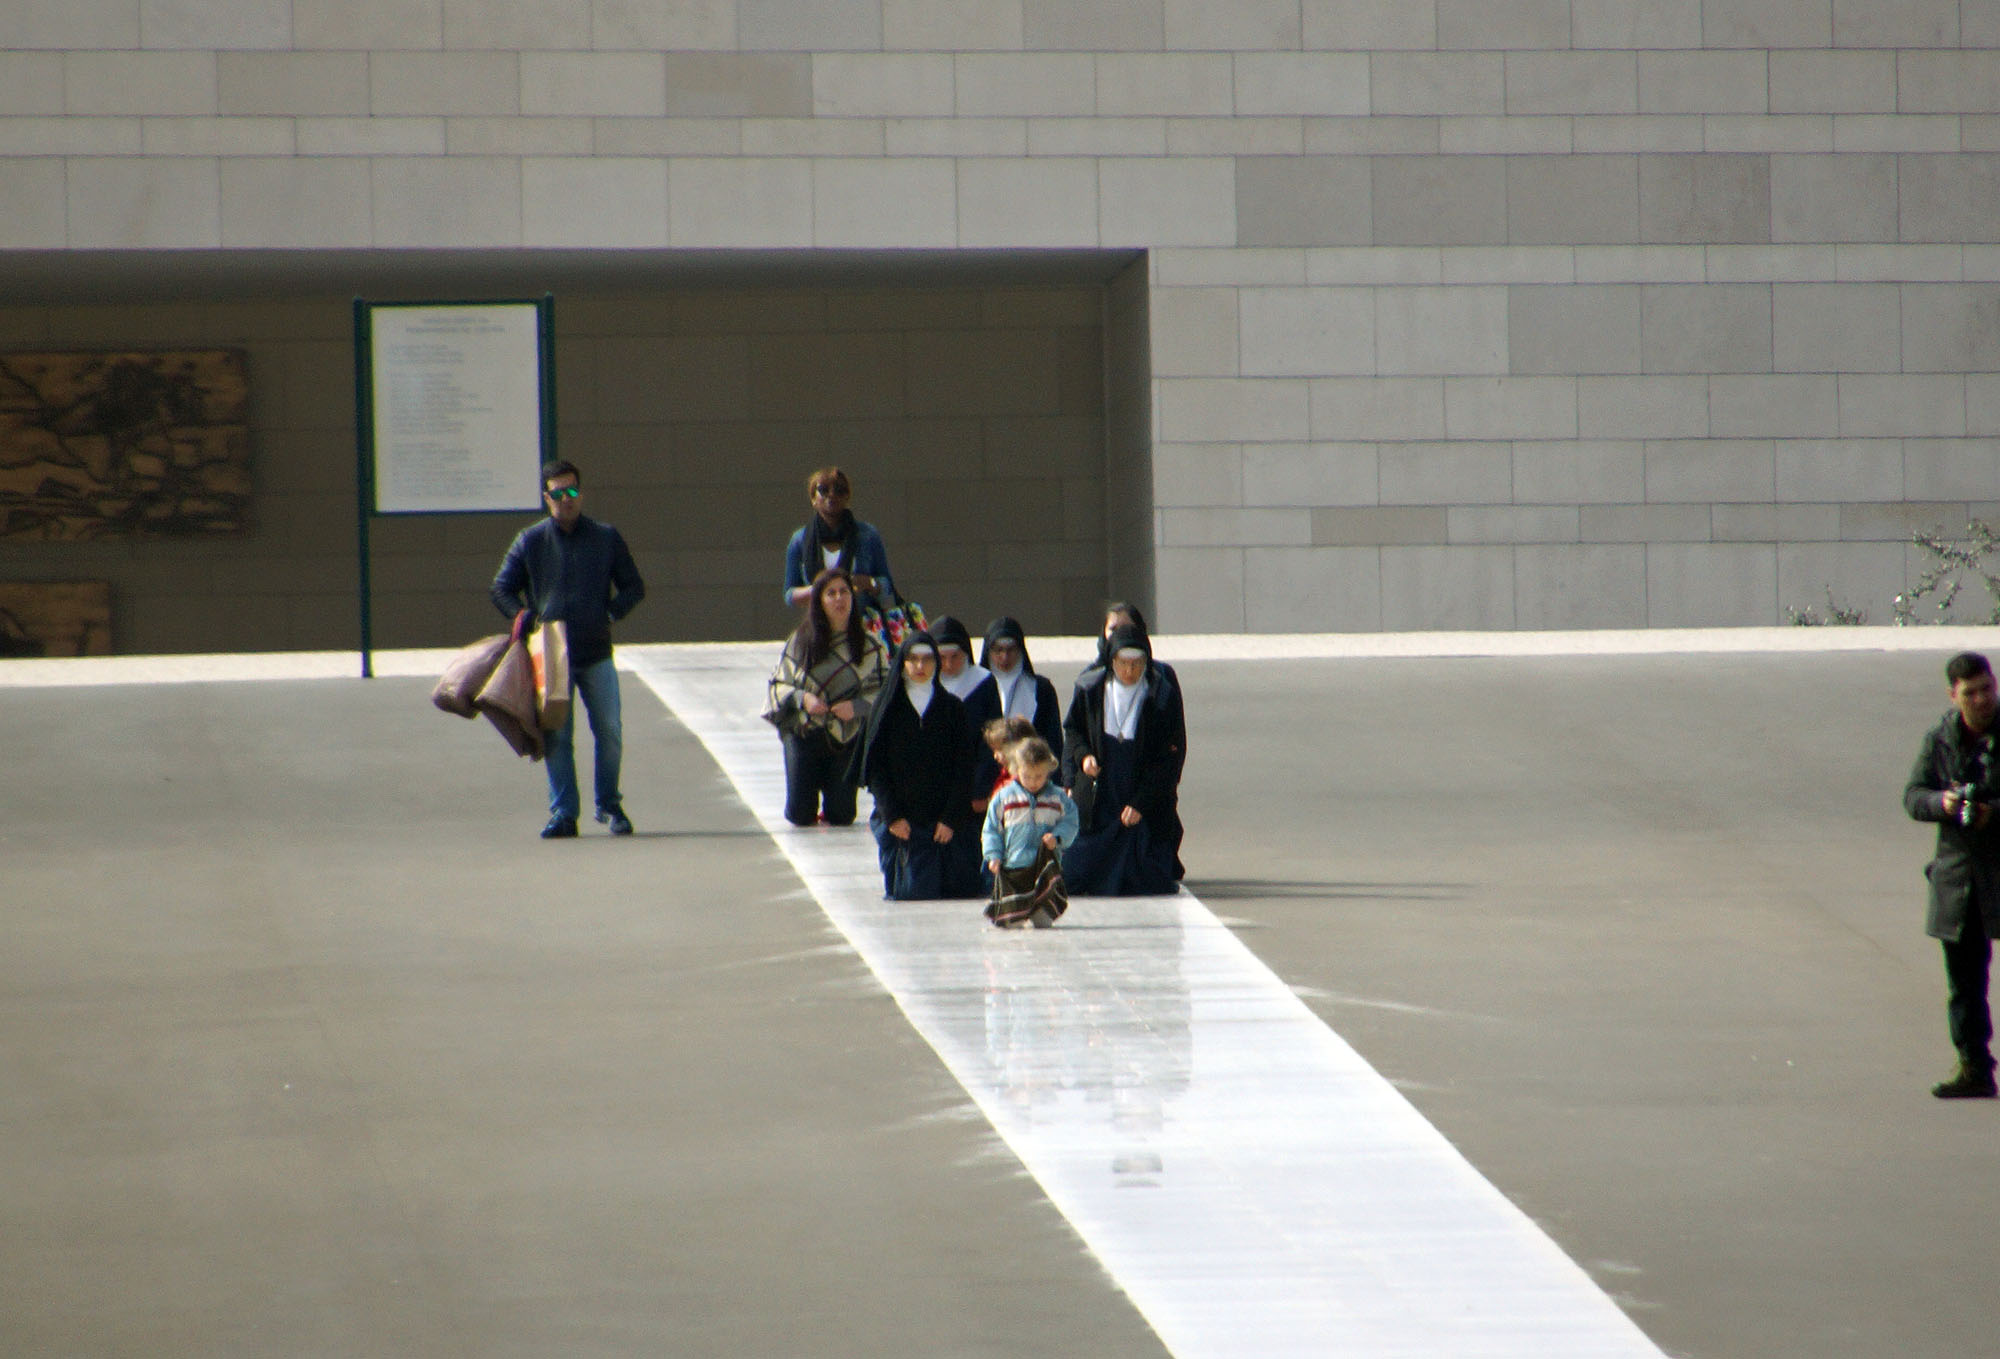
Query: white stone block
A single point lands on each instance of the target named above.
(1025, 203)
(1200, 589)
(1307, 332)
(1097, 136)
(822, 26)
(1876, 406)
(740, 203)
(1194, 332)
(1167, 202)
(1574, 586)
(1572, 82)
(1635, 24)
(517, 25)
(1702, 82)
(1139, 84)
(1982, 403)
(1227, 268)
(1764, 406)
(593, 84)
(1441, 331)
(1510, 408)
(1310, 474)
(294, 203)
(205, 25)
(1235, 136)
(951, 25)
(1515, 264)
(366, 25)
(1312, 589)
(31, 211)
(1323, 83)
(1377, 265)
(69, 24)
(1813, 471)
(1710, 585)
(1579, 472)
(1437, 83)
(650, 26)
(1767, 23)
(956, 137)
(1898, 23)
(159, 83)
(1753, 134)
(216, 136)
(882, 84)
(1898, 263)
(1428, 589)
(1197, 474)
(1951, 469)
(1241, 25)
(519, 137)
(1772, 263)
(1350, 409)
(1692, 471)
(1460, 473)
(593, 203)
(31, 83)
(1235, 527)
(371, 136)
(75, 137)
(465, 84)
(1642, 407)
(884, 204)
(1511, 524)
(1836, 328)
(833, 138)
(1867, 576)
(1640, 264)
(1833, 82)
(1948, 82)
(430, 202)
(118, 203)
(1025, 84)
(1863, 132)
(1369, 25)
(1371, 136)
(1232, 410)
(1656, 133)
(1504, 136)
(292, 83)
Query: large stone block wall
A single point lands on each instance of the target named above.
(695, 416)
(1463, 313)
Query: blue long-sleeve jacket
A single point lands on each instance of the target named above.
(585, 577)
(869, 558)
(1016, 821)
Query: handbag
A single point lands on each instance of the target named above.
(508, 700)
(467, 675)
(891, 625)
(549, 650)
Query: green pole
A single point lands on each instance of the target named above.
(364, 467)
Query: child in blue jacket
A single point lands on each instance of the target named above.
(1028, 822)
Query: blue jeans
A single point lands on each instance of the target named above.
(597, 687)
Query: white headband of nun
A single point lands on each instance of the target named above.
(1131, 653)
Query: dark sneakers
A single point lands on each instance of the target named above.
(1971, 1082)
(615, 816)
(559, 828)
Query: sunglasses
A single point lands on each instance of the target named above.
(828, 488)
(564, 493)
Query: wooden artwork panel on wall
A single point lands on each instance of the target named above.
(113, 444)
(59, 618)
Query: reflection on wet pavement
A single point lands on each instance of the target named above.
(1252, 1184)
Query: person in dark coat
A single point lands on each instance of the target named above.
(973, 686)
(917, 763)
(1023, 693)
(832, 536)
(1964, 873)
(1124, 746)
(1121, 614)
(578, 570)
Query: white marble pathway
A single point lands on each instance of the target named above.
(1254, 1186)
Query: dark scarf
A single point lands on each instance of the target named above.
(819, 537)
(1011, 630)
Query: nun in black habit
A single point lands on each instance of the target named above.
(1023, 693)
(1124, 745)
(917, 764)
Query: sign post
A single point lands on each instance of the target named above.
(454, 413)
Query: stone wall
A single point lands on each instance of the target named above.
(1463, 313)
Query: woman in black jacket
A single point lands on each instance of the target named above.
(918, 764)
(1124, 745)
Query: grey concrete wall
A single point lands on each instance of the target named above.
(971, 421)
(1464, 313)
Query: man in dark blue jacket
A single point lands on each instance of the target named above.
(578, 571)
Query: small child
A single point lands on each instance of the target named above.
(1000, 733)
(1028, 822)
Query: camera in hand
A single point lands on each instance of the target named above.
(1967, 808)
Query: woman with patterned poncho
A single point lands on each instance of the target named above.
(820, 698)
